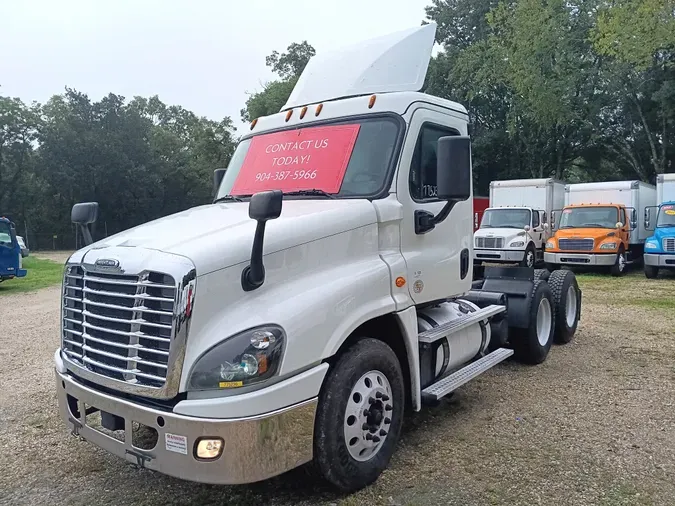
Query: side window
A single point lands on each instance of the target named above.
(422, 180)
(535, 219)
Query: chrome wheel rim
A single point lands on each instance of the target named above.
(368, 416)
(530, 259)
(544, 321)
(571, 306)
(622, 262)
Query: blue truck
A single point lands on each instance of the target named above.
(660, 247)
(10, 252)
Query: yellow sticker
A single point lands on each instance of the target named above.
(230, 384)
(670, 212)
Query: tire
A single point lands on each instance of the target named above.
(527, 345)
(651, 272)
(566, 305)
(530, 257)
(619, 267)
(354, 371)
(541, 274)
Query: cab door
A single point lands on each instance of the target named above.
(8, 259)
(438, 262)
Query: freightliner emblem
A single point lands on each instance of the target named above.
(108, 263)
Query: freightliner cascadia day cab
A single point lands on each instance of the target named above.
(326, 288)
(599, 225)
(11, 264)
(660, 221)
(515, 227)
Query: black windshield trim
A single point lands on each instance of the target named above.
(393, 163)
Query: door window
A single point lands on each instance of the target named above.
(535, 219)
(423, 185)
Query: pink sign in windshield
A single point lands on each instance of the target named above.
(303, 159)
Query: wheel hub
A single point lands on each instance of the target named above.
(368, 415)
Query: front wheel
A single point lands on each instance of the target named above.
(619, 267)
(359, 416)
(530, 257)
(651, 272)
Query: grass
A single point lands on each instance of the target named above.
(41, 274)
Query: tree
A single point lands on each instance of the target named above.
(288, 66)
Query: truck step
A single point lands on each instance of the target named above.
(455, 380)
(432, 335)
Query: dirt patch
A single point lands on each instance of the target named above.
(594, 424)
(56, 256)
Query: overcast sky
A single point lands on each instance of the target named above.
(204, 55)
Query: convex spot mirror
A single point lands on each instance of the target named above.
(619, 224)
(453, 168)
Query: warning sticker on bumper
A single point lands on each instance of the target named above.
(176, 443)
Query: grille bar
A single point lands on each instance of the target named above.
(669, 245)
(489, 242)
(575, 244)
(118, 325)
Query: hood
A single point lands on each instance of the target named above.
(217, 236)
(585, 233)
(507, 233)
(664, 232)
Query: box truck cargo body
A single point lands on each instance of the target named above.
(660, 222)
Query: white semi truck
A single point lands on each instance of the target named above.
(515, 227)
(327, 288)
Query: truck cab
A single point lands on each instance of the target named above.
(10, 252)
(591, 235)
(326, 288)
(660, 220)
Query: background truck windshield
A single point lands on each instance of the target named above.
(5, 235)
(666, 216)
(589, 217)
(506, 218)
(368, 165)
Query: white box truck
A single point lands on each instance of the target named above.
(516, 226)
(326, 288)
(660, 222)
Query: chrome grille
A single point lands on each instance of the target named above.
(669, 244)
(119, 326)
(489, 242)
(575, 244)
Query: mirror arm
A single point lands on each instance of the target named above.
(253, 275)
(426, 221)
(86, 234)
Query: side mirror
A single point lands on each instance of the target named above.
(453, 168)
(264, 206)
(83, 215)
(218, 175)
(619, 224)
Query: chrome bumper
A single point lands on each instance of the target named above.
(255, 448)
(497, 255)
(660, 260)
(591, 259)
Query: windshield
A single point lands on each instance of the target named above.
(666, 216)
(343, 158)
(589, 217)
(506, 218)
(5, 234)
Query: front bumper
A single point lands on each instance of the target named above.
(255, 448)
(592, 259)
(659, 260)
(497, 255)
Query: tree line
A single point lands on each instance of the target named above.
(578, 90)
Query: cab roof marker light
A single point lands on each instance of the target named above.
(253, 123)
(289, 114)
(318, 109)
(371, 102)
(303, 111)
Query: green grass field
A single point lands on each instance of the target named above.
(41, 273)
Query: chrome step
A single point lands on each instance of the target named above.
(432, 335)
(465, 374)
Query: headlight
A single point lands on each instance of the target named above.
(517, 244)
(608, 245)
(651, 245)
(550, 245)
(250, 357)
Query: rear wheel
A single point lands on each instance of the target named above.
(619, 267)
(566, 305)
(651, 272)
(359, 416)
(531, 345)
(541, 274)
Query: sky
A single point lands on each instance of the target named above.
(204, 55)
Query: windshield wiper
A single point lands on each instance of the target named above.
(595, 225)
(228, 198)
(313, 191)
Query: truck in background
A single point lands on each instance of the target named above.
(480, 204)
(515, 227)
(327, 288)
(599, 227)
(660, 220)
(11, 265)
